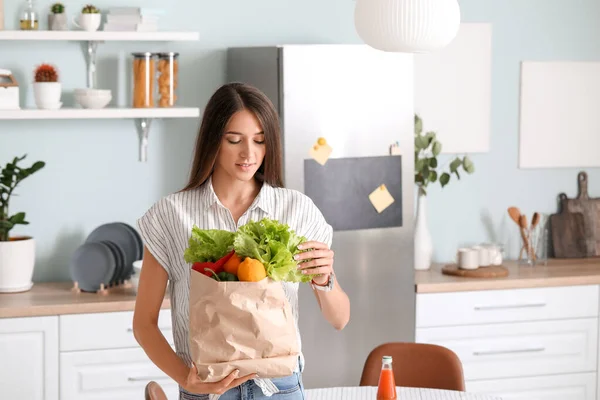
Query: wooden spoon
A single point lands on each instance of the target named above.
(535, 219)
(523, 228)
(515, 214)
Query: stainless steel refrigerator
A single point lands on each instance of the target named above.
(360, 101)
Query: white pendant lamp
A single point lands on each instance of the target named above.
(409, 26)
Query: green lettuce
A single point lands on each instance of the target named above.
(208, 245)
(274, 244)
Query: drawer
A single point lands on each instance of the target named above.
(520, 349)
(105, 330)
(513, 305)
(120, 374)
(556, 387)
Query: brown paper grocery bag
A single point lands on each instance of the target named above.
(241, 325)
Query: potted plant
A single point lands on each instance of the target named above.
(46, 87)
(57, 19)
(17, 253)
(89, 19)
(427, 171)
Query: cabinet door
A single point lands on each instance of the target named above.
(118, 374)
(29, 358)
(554, 387)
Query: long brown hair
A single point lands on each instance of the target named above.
(226, 101)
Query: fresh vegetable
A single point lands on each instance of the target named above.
(251, 270)
(232, 264)
(273, 244)
(221, 276)
(209, 268)
(208, 245)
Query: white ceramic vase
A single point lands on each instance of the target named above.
(17, 259)
(47, 94)
(423, 243)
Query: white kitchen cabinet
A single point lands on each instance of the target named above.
(531, 343)
(119, 374)
(552, 387)
(29, 358)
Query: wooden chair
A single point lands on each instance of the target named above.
(416, 365)
(154, 392)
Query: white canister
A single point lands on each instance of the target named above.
(495, 252)
(467, 258)
(484, 255)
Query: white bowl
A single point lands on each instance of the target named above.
(93, 101)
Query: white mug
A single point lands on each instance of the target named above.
(484, 255)
(88, 22)
(467, 258)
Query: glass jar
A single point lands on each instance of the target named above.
(30, 18)
(168, 79)
(144, 71)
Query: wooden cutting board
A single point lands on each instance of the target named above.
(590, 209)
(569, 232)
(493, 271)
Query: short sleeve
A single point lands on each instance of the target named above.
(317, 227)
(153, 229)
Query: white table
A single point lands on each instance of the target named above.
(370, 393)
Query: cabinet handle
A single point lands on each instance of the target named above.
(509, 306)
(493, 352)
(162, 328)
(147, 378)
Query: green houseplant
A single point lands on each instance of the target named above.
(89, 19)
(428, 171)
(17, 253)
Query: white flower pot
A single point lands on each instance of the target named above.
(88, 22)
(58, 22)
(47, 94)
(17, 259)
(423, 243)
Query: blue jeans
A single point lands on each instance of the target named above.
(290, 388)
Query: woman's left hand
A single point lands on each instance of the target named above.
(321, 263)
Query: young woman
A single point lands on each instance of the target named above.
(236, 177)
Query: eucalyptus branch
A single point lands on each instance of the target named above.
(427, 170)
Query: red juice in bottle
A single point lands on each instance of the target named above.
(387, 384)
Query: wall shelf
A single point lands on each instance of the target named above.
(142, 116)
(99, 36)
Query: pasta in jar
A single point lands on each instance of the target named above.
(168, 77)
(144, 70)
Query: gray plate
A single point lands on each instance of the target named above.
(121, 235)
(140, 243)
(120, 262)
(92, 264)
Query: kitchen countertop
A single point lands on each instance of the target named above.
(57, 298)
(563, 272)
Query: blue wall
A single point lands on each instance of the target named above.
(93, 176)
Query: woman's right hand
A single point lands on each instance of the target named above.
(194, 385)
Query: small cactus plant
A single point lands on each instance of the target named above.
(57, 8)
(46, 73)
(90, 9)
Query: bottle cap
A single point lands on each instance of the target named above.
(387, 359)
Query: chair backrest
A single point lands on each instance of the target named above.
(153, 391)
(416, 365)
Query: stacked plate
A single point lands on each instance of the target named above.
(106, 257)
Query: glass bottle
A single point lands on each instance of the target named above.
(386, 390)
(144, 70)
(168, 79)
(30, 18)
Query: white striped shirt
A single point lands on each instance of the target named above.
(167, 226)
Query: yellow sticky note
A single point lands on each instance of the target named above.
(320, 151)
(381, 198)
